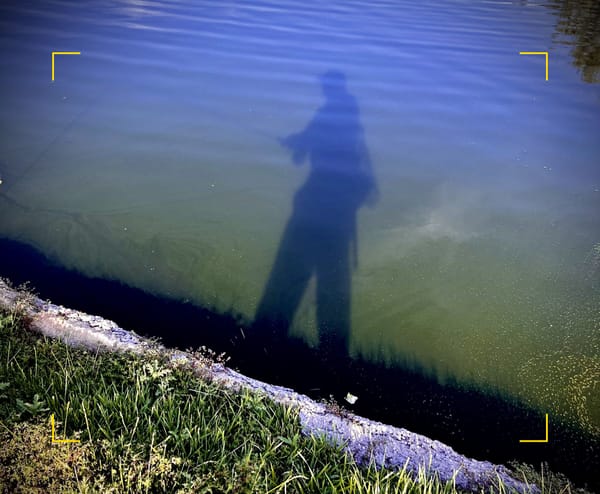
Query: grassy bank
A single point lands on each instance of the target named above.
(146, 425)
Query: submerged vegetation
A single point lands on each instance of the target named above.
(147, 425)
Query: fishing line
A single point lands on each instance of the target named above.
(6, 183)
(6, 186)
(37, 160)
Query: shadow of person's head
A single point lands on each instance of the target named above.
(333, 84)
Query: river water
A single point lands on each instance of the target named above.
(388, 179)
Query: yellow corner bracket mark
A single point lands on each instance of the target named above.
(537, 53)
(537, 440)
(54, 440)
(62, 53)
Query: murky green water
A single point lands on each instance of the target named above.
(153, 159)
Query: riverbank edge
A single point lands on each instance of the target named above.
(365, 440)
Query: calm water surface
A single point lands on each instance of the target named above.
(444, 212)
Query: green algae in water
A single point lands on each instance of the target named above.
(502, 321)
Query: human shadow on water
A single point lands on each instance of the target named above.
(320, 237)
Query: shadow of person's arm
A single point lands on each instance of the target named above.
(297, 144)
(372, 195)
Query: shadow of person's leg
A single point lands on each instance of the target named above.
(287, 282)
(333, 300)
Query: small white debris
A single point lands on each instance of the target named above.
(350, 398)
